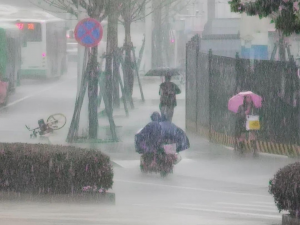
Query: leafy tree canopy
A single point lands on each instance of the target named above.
(284, 13)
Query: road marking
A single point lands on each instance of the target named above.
(229, 148)
(32, 95)
(217, 211)
(251, 205)
(127, 163)
(134, 163)
(251, 209)
(238, 207)
(192, 188)
(265, 203)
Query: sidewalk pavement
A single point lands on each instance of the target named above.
(128, 126)
(203, 160)
(138, 118)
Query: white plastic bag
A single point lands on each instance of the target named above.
(170, 148)
(252, 122)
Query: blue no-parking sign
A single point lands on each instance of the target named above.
(88, 32)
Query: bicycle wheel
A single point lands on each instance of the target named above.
(56, 121)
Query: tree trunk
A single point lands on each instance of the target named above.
(79, 101)
(93, 95)
(128, 70)
(141, 54)
(114, 44)
(116, 90)
(108, 97)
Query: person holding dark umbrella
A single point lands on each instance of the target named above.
(159, 144)
(168, 91)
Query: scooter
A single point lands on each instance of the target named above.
(159, 143)
(161, 161)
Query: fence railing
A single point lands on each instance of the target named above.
(212, 80)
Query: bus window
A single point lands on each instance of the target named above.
(31, 31)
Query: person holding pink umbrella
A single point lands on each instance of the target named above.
(245, 105)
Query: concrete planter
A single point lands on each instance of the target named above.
(289, 220)
(105, 198)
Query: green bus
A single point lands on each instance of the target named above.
(44, 52)
(10, 55)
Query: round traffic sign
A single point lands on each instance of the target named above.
(88, 32)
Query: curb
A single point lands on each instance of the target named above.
(261, 153)
(288, 220)
(105, 198)
(264, 147)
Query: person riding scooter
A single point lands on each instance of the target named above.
(159, 143)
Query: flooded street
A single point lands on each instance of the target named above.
(210, 185)
(149, 112)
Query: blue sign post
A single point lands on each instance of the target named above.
(88, 32)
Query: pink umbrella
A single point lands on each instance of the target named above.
(236, 101)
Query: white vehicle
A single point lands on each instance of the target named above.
(10, 59)
(44, 52)
(10, 53)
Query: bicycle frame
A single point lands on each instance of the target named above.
(54, 122)
(37, 130)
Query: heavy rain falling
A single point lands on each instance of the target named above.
(149, 112)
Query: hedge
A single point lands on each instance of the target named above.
(285, 187)
(52, 169)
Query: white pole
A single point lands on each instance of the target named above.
(148, 37)
(80, 53)
(83, 122)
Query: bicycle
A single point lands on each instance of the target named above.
(54, 122)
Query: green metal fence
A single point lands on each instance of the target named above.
(212, 80)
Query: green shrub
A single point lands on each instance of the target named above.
(40, 168)
(285, 187)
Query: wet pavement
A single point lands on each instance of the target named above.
(209, 186)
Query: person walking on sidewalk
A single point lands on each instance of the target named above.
(168, 91)
(247, 108)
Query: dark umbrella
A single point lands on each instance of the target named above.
(160, 72)
(150, 138)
